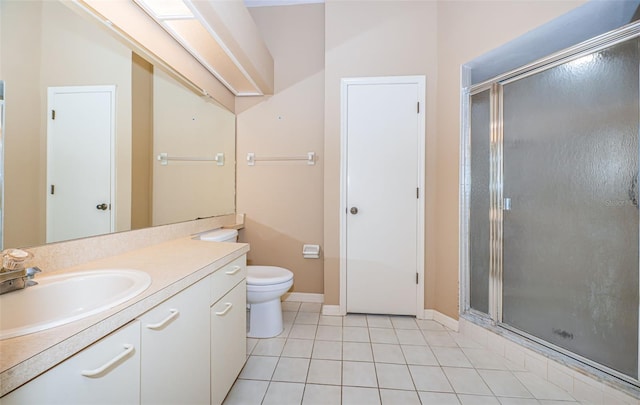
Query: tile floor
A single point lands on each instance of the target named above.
(376, 359)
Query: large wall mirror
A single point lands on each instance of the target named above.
(50, 54)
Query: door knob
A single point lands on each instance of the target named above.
(102, 206)
(354, 210)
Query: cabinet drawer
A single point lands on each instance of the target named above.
(224, 279)
(107, 372)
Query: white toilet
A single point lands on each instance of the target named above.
(265, 286)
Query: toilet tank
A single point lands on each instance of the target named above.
(220, 235)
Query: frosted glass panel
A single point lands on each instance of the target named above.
(479, 201)
(571, 237)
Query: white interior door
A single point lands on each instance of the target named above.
(80, 134)
(383, 130)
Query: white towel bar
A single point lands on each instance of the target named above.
(310, 158)
(164, 159)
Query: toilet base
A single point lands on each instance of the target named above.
(265, 319)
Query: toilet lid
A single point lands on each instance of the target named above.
(264, 275)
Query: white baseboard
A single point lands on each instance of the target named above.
(331, 310)
(304, 297)
(446, 321)
(441, 319)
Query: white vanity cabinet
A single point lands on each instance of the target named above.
(228, 327)
(188, 349)
(175, 349)
(107, 372)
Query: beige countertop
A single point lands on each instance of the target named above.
(173, 266)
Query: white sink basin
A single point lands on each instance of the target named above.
(58, 300)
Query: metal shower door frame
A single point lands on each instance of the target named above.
(493, 318)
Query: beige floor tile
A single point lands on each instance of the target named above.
(436, 338)
(504, 384)
(325, 372)
(410, 337)
(382, 335)
(298, 348)
(540, 388)
(335, 355)
(355, 334)
(395, 397)
(311, 307)
(307, 318)
(290, 306)
(430, 378)
(355, 320)
(466, 381)
(438, 398)
(283, 393)
(300, 331)
(379, 321)
(269, 347)
(327, 350)
(330, 320)
(259, 368)
(467, 399)
(404, 322)
(291, 369)
(420, 355)
(321, 394)
(246, 392)
(326, 332)
(360, 396)
(451, 357)
(484, 359)
(357, 351)
(359, 374)
(385, 353)
(394, 376)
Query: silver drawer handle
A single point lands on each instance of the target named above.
(128, 349)
(234, 271)
(162, 323)
(224, 311)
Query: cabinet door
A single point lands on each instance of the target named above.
(228, 341)
(175, 349)
(107, 372)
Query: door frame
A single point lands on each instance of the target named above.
(420, 81)
(51, 91)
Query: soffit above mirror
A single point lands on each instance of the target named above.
(215, 46)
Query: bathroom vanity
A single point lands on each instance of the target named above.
(183, 340)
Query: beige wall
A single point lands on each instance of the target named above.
(283, 202)
(141, 141)
(21, 45)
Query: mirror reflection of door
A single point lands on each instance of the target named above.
(80, 133)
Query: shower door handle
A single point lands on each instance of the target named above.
(506, 204)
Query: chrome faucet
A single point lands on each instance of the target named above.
(17, 279)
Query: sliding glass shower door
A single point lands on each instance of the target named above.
(567, 140)
(570, 238)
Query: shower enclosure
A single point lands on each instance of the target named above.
(551, 203)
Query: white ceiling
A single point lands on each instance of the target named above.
(267, 3)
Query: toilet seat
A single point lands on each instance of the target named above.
(270, 287)
(267, 275)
